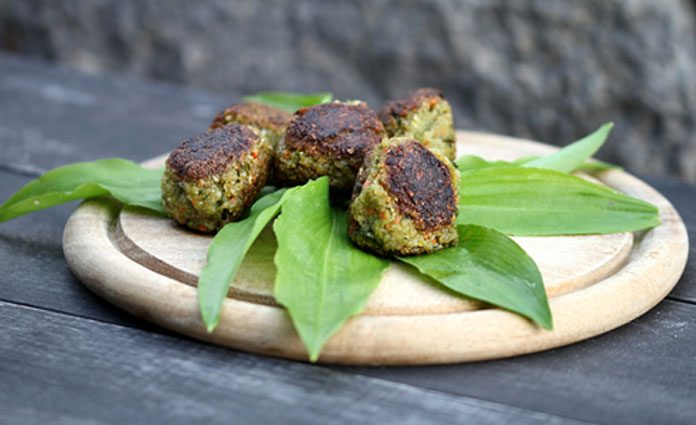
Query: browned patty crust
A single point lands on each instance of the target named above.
(337, 129)
(405, 200)
(254, 114)
(210, 153)
(409, 103)
(421, 185)
(329, 139)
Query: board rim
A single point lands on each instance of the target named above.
(393, 339)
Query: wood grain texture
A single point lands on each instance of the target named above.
(641, 373)
(61, 369)
(381, 337)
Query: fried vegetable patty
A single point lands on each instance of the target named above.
(405, 200)
(210, 180)
(331, 139)
(424, 115)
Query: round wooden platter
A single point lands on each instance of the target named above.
(148, 266)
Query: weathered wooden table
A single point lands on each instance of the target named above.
(66, 356)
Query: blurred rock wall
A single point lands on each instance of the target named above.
(547, 70)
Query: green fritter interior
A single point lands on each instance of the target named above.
(431, 123)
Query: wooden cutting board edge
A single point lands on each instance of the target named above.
(654, 268)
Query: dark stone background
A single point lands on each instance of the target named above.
(542, 69)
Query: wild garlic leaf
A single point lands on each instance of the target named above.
(290, 102)
(488, 266)
(534, 201)
(473, 162)
(322, 279)
(226, 252)
(572, 156)
(124, 180)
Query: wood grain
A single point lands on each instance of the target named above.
(61, 369)
(641, 373)
(616, 286)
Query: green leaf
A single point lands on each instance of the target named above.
(473, 162)
(573, 157)
(322, 278)
(533, 201)
(226, 252)
(570, 157)
(488, 266)
(290, 102)
(124, 180)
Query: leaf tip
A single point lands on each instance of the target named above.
(547, 323)
(211, 325)
(545, 319)
(210, 319)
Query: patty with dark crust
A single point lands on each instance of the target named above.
(268, 122)
(404, 200)
(210, 180)
(424, 115)
(330, 139)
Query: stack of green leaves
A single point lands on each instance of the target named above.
(323, 279)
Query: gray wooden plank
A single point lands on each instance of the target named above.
(34, 272)
(58, 368)
(640, 373)
(51, 116)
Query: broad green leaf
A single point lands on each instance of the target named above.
(290, 102)
(488, 266)
(226, 252)
(322, 278)
(473, 162)
(533, 201)
(124, 180)
(570, 157)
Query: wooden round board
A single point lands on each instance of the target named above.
(148, 266)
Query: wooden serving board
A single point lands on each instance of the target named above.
(148, 266)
